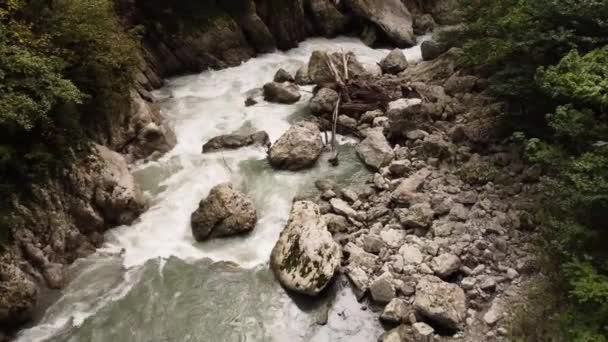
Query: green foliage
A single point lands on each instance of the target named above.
(551, 56)
(65, 66)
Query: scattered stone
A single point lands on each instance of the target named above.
(382, 289)
(324, 101)
(283, 76)
(234, 141)
(408, 188)
(423, 332)
(494, 313)
(285, 93)
(419, 215)
(340, 207)
(394, 63)
(375, 150)
(305, 258)
(373, 244)
(487, 283)
(441, 303)
(224, 212)
(411, 254)
(359, 279)
(396, 311)
(445, 265)
(400, 168)
(298, 148)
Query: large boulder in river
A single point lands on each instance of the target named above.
(390, 15)
(298, 148)
(441, 303)
(282, 76)
(306, 256)
(224, 212)
(234, 141)
(285, 93)
(375, 150)
(320, 73)
(394, 63)
(431, 49)
(302, 77)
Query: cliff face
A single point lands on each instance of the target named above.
(65, 218)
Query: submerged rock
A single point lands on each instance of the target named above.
(224, 212)
(375, 150)
(305, 258)
(234, 141)
(285, 93)
(394, 63)
(298, 148)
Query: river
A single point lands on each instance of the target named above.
(153, 282)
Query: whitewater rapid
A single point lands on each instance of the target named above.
(121, 293)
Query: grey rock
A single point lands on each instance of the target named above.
(225, 212)
(419, 215)
(375, 150)
(407, 190)
(391, 16)
(342, 208)
(298, 148)
(324, 101)
(394, 63)
(283, 76)
(445, 265)
(422, 332)
(302, 77)
(432, 49)
(234, 141)
(396, 311)
(411, 254)
(442, 303)
(305, 258)
(285, 93)
(382, 289)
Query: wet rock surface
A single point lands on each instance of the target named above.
(306, 257)
(225, 212)
(297, 149)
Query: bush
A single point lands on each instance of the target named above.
(551, 56)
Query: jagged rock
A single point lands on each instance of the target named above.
(283, 76)
(400, 168)
(368, 117)
(419, 215)
(431, 49)
(457, 84)
(286, 93)
(18, 296)
(359, 279)
(118, 196)
(302, 77)
(494, 313)
(408, 188)
(396, 311)
(373, 244)
(224, 212)
(336, 223)
(298, 148)
(382, 289)
(320, 73)
(424, 24)
(422, 332)
(305, 258)
(445, 265)
(411, 254)
(327, 17)
(342, 208)
(375, 150)
(391, 16)
(324, 101)
(54, 275)
(442, 303)
(234, 141)
(394, 63)
(398, 334)
(357, 257)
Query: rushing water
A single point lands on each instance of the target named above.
(153, 282)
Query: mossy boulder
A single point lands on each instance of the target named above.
(306, 257)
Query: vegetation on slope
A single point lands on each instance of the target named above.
(548, 59)
(65, 66)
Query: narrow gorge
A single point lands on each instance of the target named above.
(307, 170)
